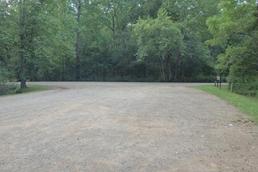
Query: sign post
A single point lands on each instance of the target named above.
(218, 81)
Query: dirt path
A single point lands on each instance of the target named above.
(124, 127)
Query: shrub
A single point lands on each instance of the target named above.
(245, 88)
(5, 86)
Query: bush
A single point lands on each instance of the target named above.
(248, 89)
(3, 75)
(5, 87)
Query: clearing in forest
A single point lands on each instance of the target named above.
(124, 127)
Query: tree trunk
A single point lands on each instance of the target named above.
(162, 70)
(177, 67)
(78, 42)
(23, 84)
(22, 37)
(168, 68)
(169, 71)
(256, 13)
(113, 27)
(63, 69)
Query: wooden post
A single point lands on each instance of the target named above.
(218, 81)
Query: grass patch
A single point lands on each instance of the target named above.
(248, 105)
(14, 89)
(32, 88)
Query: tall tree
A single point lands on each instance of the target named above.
(234, 30)
(77, 5)
(93, 40)
(162, 39)
(25, 29)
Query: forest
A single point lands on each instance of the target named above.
(130, 40)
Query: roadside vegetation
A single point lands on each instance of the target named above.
(130, 40)
(12, 89)
(246, 104)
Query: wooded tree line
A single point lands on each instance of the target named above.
(129, 40)
(235, 35)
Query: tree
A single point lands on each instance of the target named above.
(234, 29)
(25, 38)
(98, 40)
(8, 39)
(78, 5)
(160, 39)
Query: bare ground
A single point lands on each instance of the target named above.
(124, 127)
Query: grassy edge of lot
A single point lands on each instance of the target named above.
(33, 88)
(248, 105)
(15, 90)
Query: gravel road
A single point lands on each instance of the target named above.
(124, 127)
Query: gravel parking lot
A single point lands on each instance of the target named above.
(124, 127)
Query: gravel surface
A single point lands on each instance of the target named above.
(124, 127)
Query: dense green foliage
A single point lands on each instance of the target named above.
(100, 40)
(247, 105)
(129, 40)
(235, 31)
(160, 40)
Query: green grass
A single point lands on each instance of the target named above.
(248, 105)
(33, 88)
(14, 89)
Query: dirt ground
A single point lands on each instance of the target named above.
(124, 127)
